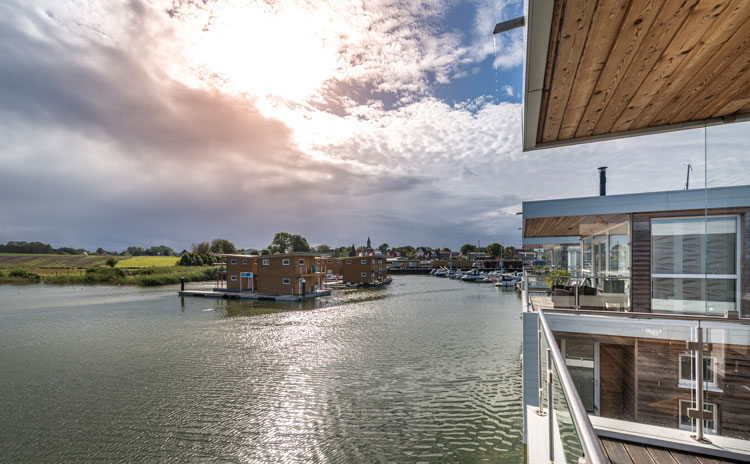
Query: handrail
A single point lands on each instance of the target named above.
(589, 441)
(645, 315)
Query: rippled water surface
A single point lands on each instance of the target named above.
(425, 370)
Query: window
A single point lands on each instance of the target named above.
(234, 277)
(687, 423)
(244, 261)
(687, 370)
(285, 262)
(285, 281)
(301, 262)
(265, 262)
(348, 261)
(380, 261)
(694, 265)
(364, 261)
(234, 261)
(330, 261)
(364, 274)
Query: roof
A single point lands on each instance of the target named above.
(563, 221)
(280, 255)
(619, 68)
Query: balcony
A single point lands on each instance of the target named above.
(623, 389)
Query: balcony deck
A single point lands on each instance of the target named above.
(625, 452)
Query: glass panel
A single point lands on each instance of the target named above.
(566, 436)
(618, 253)
(587, 256)
(726, 387)
(694, 295)
(694, 246)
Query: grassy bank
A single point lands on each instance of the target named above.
(151, 276)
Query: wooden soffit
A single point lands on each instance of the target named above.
(565, 226)
(616, 68)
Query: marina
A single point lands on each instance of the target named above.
(407, 372)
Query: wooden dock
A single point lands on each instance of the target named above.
(215, 293)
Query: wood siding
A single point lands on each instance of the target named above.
(640, 381)
(620, 65)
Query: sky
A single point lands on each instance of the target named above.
(141, 123)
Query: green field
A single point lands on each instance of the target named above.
(147, 261)
(82, 269)
(28, 261)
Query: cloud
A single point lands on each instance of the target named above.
(114, 131)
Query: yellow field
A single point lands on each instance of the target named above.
(148, 261)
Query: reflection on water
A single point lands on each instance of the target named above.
(424, 370)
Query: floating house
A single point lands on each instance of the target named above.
(636, 343)
(282, 274)
(367, 270)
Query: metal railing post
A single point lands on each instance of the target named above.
(550, 414)
(699, 406)
(540, 410)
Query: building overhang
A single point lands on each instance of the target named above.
(547, 219)
(603, 70)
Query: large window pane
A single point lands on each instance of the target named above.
(694, 246)
(693, 295)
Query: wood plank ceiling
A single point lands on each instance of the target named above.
(565, 226)
(620, 65)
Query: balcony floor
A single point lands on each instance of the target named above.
(625, 452)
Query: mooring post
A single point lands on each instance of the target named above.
(182, 284)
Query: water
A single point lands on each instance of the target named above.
(425, 370)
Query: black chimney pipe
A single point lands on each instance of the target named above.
(603, 181)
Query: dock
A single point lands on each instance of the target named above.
(219, 293)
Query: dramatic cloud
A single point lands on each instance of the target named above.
(142, 123)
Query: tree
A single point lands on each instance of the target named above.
(468, 248)
(222, 245)
(509, 252)
(352, 251)
(323, 248)
(383, 248)
(494, 249)
(112, 261)
(202, 248)
(284, 242)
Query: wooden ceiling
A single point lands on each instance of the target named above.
(566, 226)
(616, 66)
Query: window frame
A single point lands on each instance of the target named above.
(364, 261)
(363, 274)
(286, 281)
(285, 262)
(301, 261)
(233, 278)
(737, 276)
(234, 261)
(712, 430)
(244, 261)
(265, 262)
(686, 382)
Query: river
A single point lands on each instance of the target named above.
(423, 370)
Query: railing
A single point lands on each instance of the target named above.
(606, 292)
(568, 424)
(680, 372)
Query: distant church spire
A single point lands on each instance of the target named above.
(369, 246)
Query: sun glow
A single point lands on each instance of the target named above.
(280, 51)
